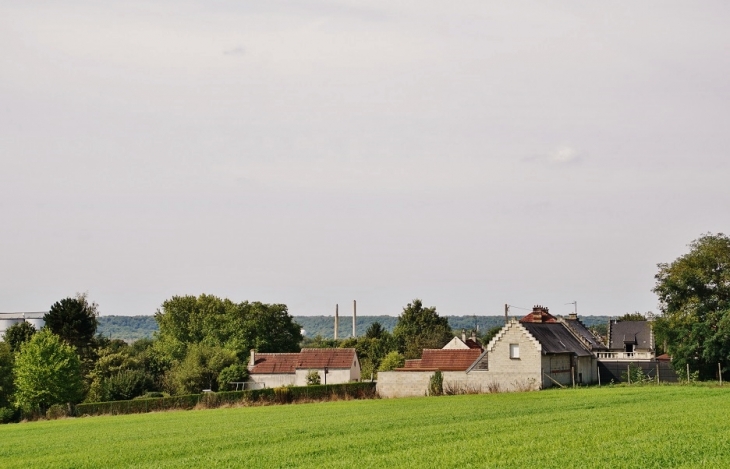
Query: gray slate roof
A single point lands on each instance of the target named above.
(556, 338)
(581, 330)
(636, 332)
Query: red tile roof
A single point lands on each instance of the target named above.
(274, 363)
(319, 358)
(444, 360)
(539, 314)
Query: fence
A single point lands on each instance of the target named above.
(616, 370)
(362, 390)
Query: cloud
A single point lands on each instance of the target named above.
(563, 154)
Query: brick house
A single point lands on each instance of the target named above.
(334, 365)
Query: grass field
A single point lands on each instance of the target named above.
(666, 426)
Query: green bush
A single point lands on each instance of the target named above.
(313, 378)
(436, 384)
(57, 411)
(8, 415)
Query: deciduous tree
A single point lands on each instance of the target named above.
(420, 328)
(694, 296)
(47, 371)
(18, 334)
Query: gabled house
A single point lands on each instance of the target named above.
(334, 366)
(538, 351)
(630, 340)
(464, 342)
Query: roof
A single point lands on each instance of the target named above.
(540, 315)
(582, 331)
(443, 360)
(634, 332)
(326, 357)
(471, 343)
(274, 363)
(556, 338)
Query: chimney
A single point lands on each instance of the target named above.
(474, 335)
(354, 318)
(463, 335)
(337, 319)
(573, 316)
(537, 312)
(252, 361)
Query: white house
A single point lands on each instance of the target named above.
(334, 365)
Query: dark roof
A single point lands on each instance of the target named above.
(556, 338)
(581, 330)
(326, 357)
(274, 363)
(471, 343)
(444, 360)
(634, 332)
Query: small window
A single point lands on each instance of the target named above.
(514, 350)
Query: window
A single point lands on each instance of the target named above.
(514, 350)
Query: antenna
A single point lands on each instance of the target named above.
(575, 304)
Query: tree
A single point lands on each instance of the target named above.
(47, 371)
(18, 334)
(74, 320)
(636, 316)
(6, 375)
(392, 361)
(694, 296)
(375, 331)
(420, 328)
(200, 369)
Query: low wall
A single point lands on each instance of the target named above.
(415, 383)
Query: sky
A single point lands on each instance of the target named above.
(469, 153)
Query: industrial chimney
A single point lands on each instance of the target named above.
(354, 318)
(337, 319)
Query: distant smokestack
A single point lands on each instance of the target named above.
(337, 319)
(354, 318)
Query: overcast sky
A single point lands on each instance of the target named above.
(469, 153)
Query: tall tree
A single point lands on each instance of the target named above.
(47, 371)
(694, 296)
(419, 327)
(74, 320)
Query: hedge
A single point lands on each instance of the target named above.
(284, 395)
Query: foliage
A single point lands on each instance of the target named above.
(123, 372)
(6, 375)
(231, 374)
(313, 378)
(18, 334)
(634, 375)
(436, 384)
(419, 328)
(57, 411)
(216, 322)
(689, 428)
(490, 334)
(635, 316)
(694, 295)
(47, 371)
(74, 320)
(392, 361)
(375, 331)
(129, 328)
(200, 369)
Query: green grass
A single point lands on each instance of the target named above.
(656, 426)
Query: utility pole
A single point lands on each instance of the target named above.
(337, 319)
(506, 312)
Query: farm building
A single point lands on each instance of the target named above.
(334, 365)
(538, 351)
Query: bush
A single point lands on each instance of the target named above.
(436, 384)
(57, 411)
(313, 378)
(8, 415)
(392, 361)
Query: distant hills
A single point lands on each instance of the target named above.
(131, 328)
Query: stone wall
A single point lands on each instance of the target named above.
(403, 383)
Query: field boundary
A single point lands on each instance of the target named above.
(283, 395)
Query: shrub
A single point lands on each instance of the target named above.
(392, 361)
(57, 411)
(8, 415)
(436, 384)
(313, 378)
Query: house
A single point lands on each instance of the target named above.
(630, 340)
(334, 365)
(464, 343)
(538, 351)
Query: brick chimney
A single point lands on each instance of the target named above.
(537, 313)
